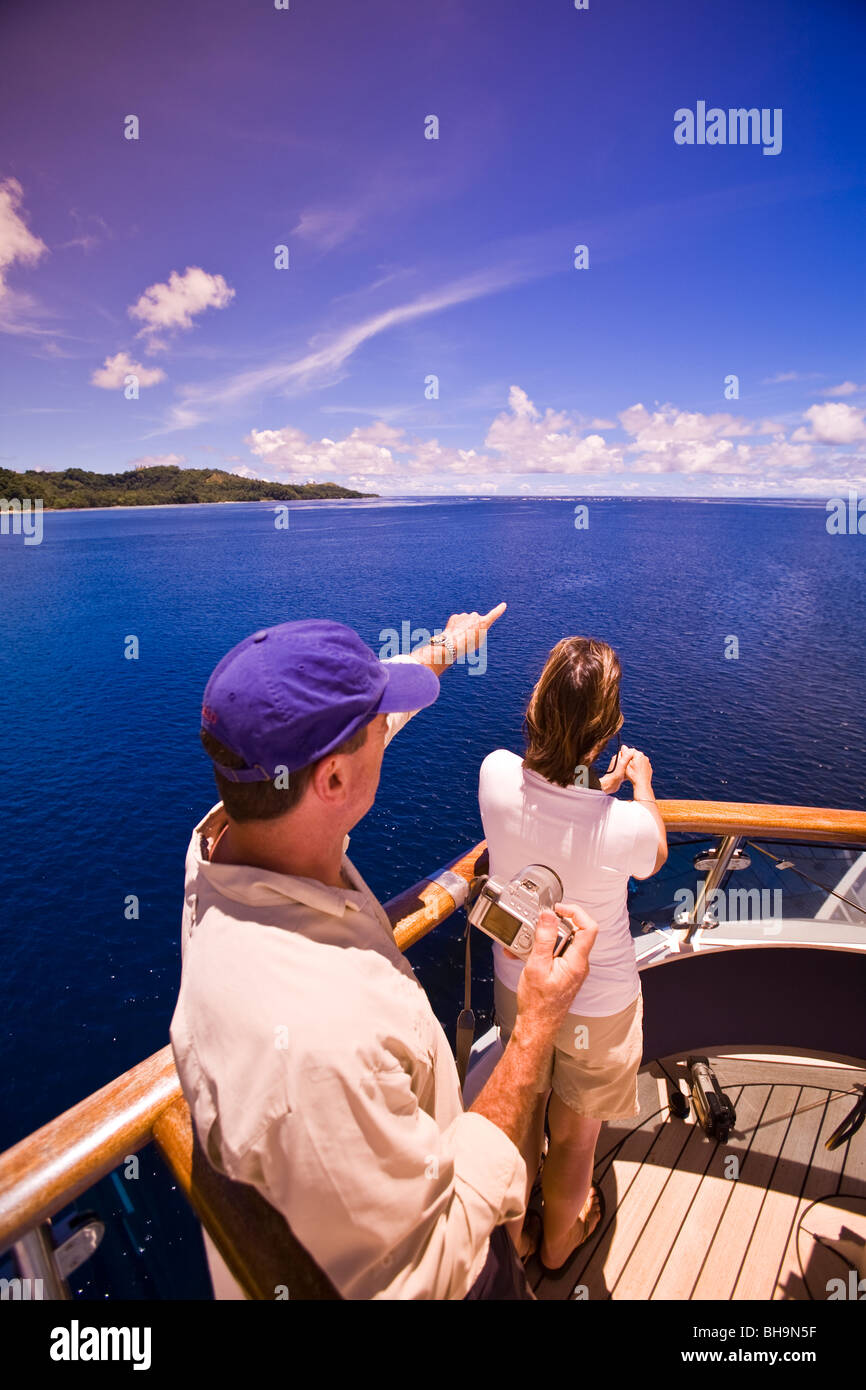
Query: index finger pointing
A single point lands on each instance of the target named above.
(490, 618)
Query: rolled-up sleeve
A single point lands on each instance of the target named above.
(396, 722)
(388, 1204)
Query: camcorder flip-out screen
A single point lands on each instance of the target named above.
(501, 924)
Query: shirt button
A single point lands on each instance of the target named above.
(260, 636)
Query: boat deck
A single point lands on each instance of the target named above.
(684, 1221)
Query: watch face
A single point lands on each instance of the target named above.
(501, 924)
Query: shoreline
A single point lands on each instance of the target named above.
(229, 502)
(445, 497)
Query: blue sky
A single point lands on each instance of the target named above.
(412, 257)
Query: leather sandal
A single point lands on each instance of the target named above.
(557, 1273)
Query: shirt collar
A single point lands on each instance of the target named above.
(263, 887)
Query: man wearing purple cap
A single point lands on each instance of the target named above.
(309, 1055)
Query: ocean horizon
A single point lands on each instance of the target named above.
(425, 499)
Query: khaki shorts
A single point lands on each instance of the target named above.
(595, 1061)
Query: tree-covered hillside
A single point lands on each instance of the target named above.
(146, 487)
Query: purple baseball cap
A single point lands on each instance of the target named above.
(289, 695)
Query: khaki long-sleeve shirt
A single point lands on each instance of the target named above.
(316, 1070)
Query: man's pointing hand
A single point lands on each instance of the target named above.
(467, 630)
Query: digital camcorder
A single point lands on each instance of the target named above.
(509, 911)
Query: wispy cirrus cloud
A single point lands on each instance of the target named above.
(846, 388)
(91, 231)
(781, 377)
(21, 313)
(329, 355)
(358, 197)
(521, 258)
(328, 227)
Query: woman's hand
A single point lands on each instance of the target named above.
(639, 771)
(615, 775)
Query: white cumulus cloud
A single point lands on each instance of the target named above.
(114, 371)
(719, 452)
(292, 453)
(529, 442)
(833, 423)
(17, 242)
(175, 303)
(669, 440)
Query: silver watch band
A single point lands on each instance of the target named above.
(442, 639)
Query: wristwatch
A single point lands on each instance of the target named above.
(443, 640)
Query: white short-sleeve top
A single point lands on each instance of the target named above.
(594, 842)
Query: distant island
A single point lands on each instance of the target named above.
(163, 485)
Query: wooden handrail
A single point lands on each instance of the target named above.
(64, 1158)
(58, 1162)
(428, 902)
(813, 824)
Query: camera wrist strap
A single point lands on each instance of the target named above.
(466, 1021)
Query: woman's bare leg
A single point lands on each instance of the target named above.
(531, 1149)
(567, 1180)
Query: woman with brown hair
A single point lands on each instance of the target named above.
(551, 808)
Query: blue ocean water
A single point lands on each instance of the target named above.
(103, 777)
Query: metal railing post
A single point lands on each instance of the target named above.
(728, 846)
(34, 1255)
